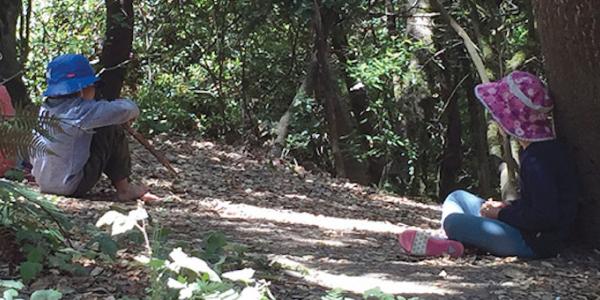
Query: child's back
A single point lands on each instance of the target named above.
(92, 141)
(61, 169)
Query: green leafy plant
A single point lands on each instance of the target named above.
(335, 294)
(372, 294)
(10, 290)
(39, 227)
(180, 276)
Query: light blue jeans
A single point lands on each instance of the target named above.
(462, 221)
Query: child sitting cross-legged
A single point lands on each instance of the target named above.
(92, 140)
(539, 224)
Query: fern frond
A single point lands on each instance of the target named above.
(23, 136)
(23, 206)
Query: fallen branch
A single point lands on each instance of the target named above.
(142, 140)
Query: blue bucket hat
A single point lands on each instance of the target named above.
(68, 74)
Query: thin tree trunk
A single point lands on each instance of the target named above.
(307, 88)
(510, 186)
(452, 155)
(326, 91)
(117, 47)
(420, 28)
(479, 141)
(359, 102)
(403, 100)
(24, 32)
(570, 37)
(391, 19)
(116, 52)
(10, 67)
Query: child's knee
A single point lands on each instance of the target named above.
(452, 224)
(456, 196)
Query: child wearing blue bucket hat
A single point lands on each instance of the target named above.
(92, 140)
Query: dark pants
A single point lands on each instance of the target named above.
(109, 154)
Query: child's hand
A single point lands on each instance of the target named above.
(493, 203)
(129, 123)
(491, 209)
(491, 212)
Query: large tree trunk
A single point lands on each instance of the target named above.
(326, 92)
(570, 37)
(117, 47)
(10, 67)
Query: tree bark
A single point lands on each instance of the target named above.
(326, 92)
(307, 88)
(117, 47)
(479, 141)
(359, 102)
(10, 67)
(452, 156)
(420, 27)
(570, 36)
(509, 186)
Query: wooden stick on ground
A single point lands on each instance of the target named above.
(140, 138)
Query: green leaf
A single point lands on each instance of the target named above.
(377, 294)
(35, 254)
(107, 245)
(215, 243)
(30, 270)
(245, 275)
(46, 295)
(119, 222)
(14, 175)
(12, 284)
(156, 263)
(10, 294)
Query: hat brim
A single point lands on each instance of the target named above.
(495, 104)
(71, 86)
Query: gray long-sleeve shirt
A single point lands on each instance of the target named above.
(61, 172)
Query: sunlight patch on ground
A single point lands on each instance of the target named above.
(404, 201)
(317, 242)
(244, 211)
(357, 284)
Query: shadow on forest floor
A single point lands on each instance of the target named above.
(323, 233)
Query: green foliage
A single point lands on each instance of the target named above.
(372, 294)
(377, 294)
(23, 135)
(336, 294)
(180, 276)
(11, 290)
(230, 69)
(42, 230)
(59, 27)
(169, 103)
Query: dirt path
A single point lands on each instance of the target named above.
(317, 234)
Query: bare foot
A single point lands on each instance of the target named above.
(149, 198)
(134, 192)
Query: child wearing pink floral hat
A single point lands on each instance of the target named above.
(539, 223)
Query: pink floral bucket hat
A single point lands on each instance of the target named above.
(521, 105)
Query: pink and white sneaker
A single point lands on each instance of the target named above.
(420, 243)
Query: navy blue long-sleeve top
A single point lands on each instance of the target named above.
(547, 209)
